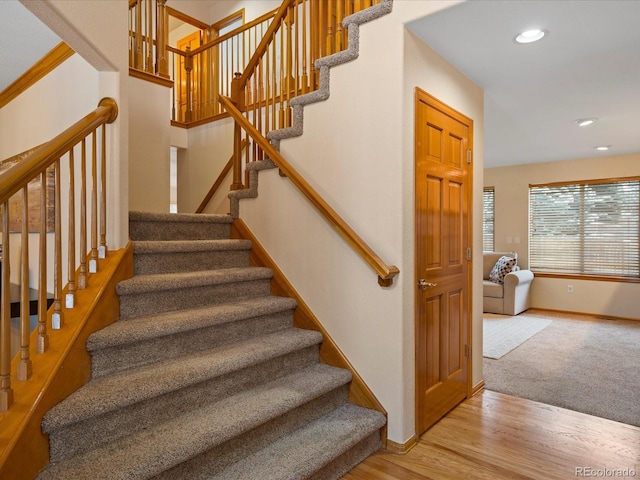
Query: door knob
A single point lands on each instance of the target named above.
(423, 284)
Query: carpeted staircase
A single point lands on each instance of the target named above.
(204, 375)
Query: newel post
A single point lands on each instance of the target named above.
(237, 98)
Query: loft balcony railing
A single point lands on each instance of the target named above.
(300, 32)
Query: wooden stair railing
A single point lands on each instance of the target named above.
(84, 141)
(386, 273)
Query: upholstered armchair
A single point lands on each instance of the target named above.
(510, 297)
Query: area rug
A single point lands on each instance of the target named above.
(503, 333)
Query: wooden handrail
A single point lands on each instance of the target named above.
(264, 43)
(46, 64)
(17, 177)
(385, 272)
(233, 33)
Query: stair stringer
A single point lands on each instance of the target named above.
(324, 64)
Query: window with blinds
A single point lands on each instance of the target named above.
(488, 243)
(589, 228)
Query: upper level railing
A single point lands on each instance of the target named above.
(78, 153)
(304, 31)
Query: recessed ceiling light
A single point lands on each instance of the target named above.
(530, 36)
(584, 122)
(603, 148)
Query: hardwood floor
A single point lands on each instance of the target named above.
(497, 436)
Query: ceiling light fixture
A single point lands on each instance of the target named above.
(603, 148)
(530, 36)
(585, 122)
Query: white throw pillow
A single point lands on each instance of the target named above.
(503, 266)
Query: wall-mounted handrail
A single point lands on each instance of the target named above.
(385, 272)
(79, 144)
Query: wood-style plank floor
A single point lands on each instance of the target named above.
(497, 436)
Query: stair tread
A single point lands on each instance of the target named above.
(173, 246)
(136, 216)
(170, 281)
(167, 444)
(169, 323)
(306, 450)
(131, 386)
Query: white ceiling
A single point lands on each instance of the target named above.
(25, 40)
(587, 66)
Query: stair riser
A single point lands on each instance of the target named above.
(151, 263)
(345, 462)
(93, 432)
(115, 359)
(215, 460)
(148, 303)
(178, 231)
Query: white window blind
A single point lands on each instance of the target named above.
(488, 210)
(585, 228)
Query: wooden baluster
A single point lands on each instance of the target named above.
(42, 342)
(330, 32)
(282, 80)
(173, 89)
(162, 35)
(57, 316)
(339, 15)
(138, 38)
(267, 86)
(274, 67)
(82, 274)
(71, 273)
(102, 249)
(188, 66)
(24, 367)
(93, 257)
(289, 80)
(149, 38)
(6, 392)
(305, 75)
(318, 42)
(257, 152)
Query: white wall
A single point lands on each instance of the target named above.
(53, 104)
(98, 31)
(209, 148)
(149, 142)
(512, 218)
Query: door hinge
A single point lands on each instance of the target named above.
(469, 253)
(467, 351)
(469, 155)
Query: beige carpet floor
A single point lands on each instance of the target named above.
(581, 363)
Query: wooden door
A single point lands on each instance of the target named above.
(443, 234)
